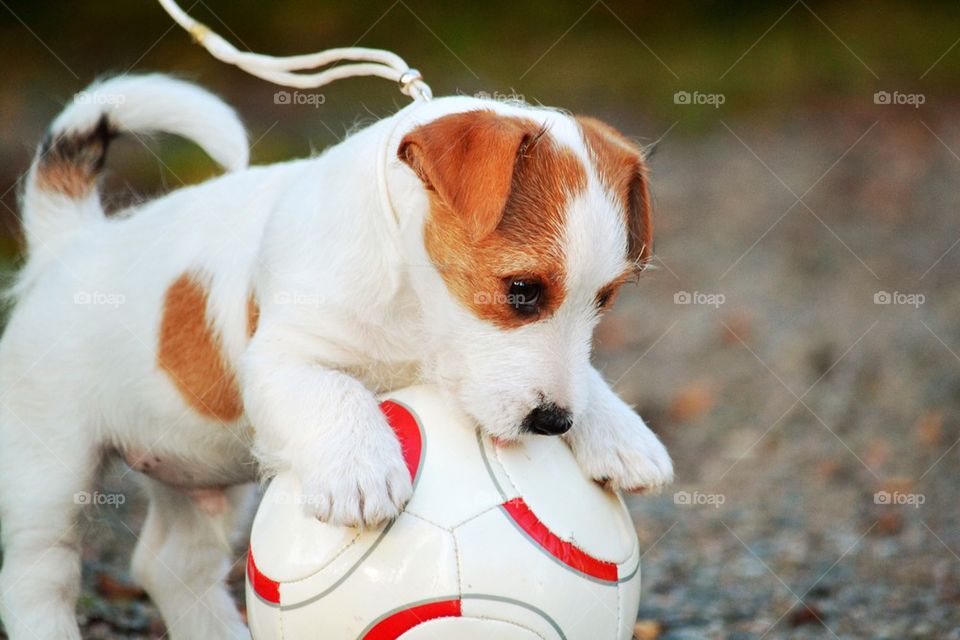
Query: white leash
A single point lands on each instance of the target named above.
(282, 70)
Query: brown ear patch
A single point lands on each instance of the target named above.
(522, 233)
(623, 172)
(190, 352)
(467, 160)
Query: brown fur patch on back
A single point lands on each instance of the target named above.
(190, 353)
(69, 163)
(624, 173)
(521, 181)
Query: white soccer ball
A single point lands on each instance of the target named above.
(499, 542)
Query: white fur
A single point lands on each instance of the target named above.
(349, 305)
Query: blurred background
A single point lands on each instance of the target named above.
(797, 346)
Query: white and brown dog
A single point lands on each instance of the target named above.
(245, 325)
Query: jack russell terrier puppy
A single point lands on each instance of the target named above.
(245, 325)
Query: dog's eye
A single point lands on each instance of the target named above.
(524, 296)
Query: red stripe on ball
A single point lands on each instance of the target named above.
(404, 424)
(267, 589)
(397, 624)
(565, 552)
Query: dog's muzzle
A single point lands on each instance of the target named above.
(547, 420)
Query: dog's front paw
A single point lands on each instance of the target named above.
(359, 479)
(628, 458)
(635, 471)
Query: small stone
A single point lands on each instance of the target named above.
(922, 629)
(806, 614)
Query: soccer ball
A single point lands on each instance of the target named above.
(511, 542)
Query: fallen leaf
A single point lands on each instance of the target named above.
(113, 589)
(692, 401)
(647, 630)
(929, 428)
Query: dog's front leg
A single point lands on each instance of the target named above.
(613, 444)
(325, 427)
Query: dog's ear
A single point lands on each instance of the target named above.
(639, 215)
(621, 167)
(468, 160)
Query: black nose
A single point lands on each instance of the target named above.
(548, 420)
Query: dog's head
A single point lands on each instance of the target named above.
(533, 220)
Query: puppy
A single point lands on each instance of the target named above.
(245, 325)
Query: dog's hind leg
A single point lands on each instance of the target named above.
(47, 469)
(184, 555)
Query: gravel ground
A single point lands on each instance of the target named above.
(792, 401)
(798, 405)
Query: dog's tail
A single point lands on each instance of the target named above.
(61, 194)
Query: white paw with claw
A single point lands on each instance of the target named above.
(629, 457)
(359, 479)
